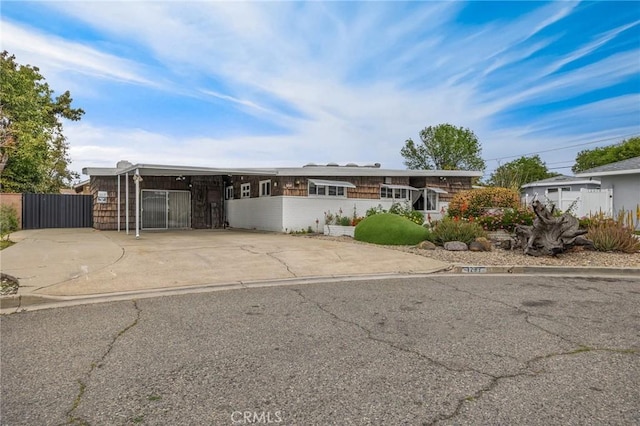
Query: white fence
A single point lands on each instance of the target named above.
(582, 203)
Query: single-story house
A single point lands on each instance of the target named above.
(623, 178)
(286, 199)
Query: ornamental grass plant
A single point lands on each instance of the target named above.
(613, 235)
(454, 229)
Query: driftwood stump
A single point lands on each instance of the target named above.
(550, 235)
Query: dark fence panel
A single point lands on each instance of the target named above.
(56, 211)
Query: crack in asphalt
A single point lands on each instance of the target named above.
(71, 419)
(527, 314)
(494, 380)
(394, 345)
(369, 333)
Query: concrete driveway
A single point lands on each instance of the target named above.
(77, 262)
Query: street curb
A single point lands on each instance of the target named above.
(545, 270)
(30, 302)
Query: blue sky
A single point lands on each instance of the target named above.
(253, 84)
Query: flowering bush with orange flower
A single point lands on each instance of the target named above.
(474, 202)
(506, 219)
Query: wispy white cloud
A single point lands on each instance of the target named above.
(602, 40)
(604, 73)
(340, 81)
(60, 55)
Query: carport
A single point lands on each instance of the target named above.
(169, 198)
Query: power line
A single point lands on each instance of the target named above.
(564, 147)
(561, 162)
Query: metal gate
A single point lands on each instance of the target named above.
(166, 209)
(56, 211)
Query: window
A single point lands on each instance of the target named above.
(265, 188)
(329, 188)
(245, 190)
(563, 188)
(228, 193)
(394, 192)
(431, 201)
(428, 199)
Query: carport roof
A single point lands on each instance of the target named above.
(168, 170)
(324, 171)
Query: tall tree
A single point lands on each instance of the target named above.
(33, 149)
(444, 147)
(518, 172)
(590, 158)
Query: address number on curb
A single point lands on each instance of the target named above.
(474, 270)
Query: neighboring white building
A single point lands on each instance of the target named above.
(582, 196)
(623, 178)
(556, 184)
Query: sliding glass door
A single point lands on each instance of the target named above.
(166, 209)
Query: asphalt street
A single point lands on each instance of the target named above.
(432, 350)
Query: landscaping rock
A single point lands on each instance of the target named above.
(505, 244)
(455, 246)
(427, 245)
(486, 244)
(476, 246)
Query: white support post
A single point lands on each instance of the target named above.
(137, 179)
(126, 201)
(119, 208)
(424, 202)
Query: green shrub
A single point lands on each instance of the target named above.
(451, 229)
(403, 210)
(344, 221)
(406, 211)
(375, 210)
(474, 202)
(390, 229)
(8, 221)
(613, 235)
(340, 219)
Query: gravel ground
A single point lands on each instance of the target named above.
(499, 257)
(8, 285)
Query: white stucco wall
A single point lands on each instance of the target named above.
(263, 213)
(290, 214)
(302, 212)
(287, 214)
